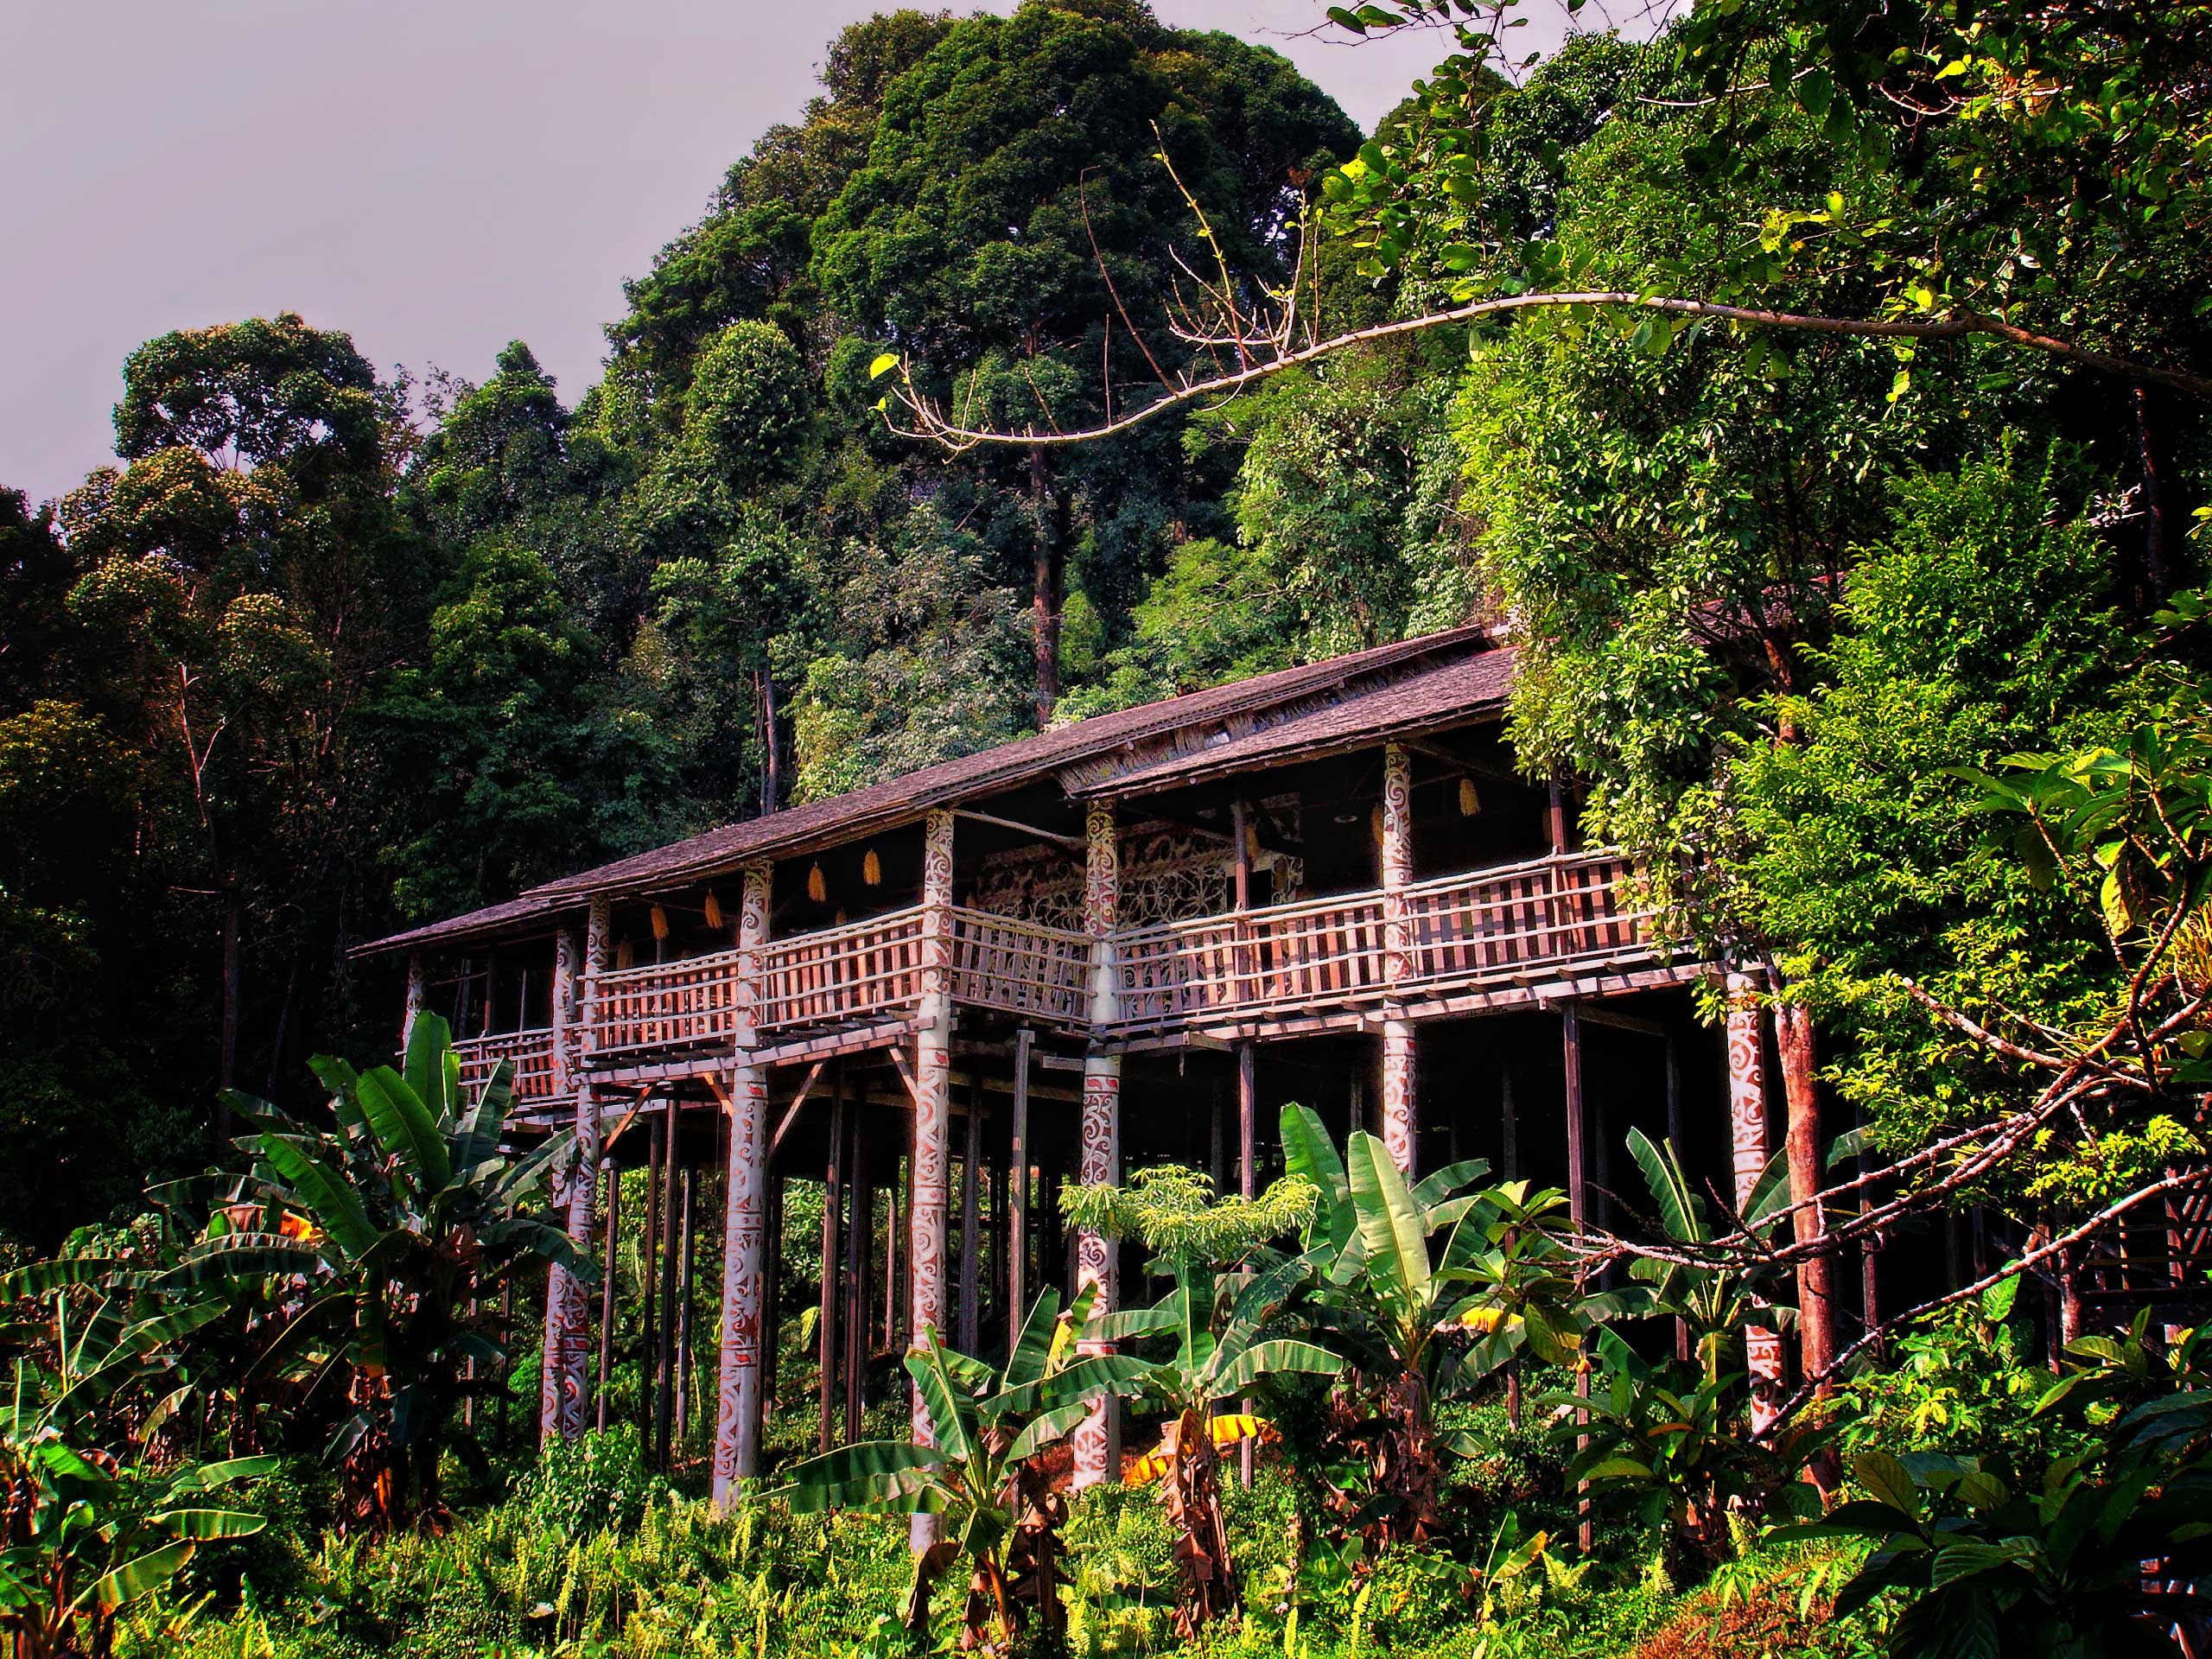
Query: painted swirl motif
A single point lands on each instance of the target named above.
(738, 1401)
(1100, 1161)
(926, 1222)
(1748, 1154)
(936, 897)
(1398, 1112)
(744, 1239)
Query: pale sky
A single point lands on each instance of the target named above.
(436, 178)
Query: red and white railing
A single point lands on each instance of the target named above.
(530, 1053)
(1546, 918)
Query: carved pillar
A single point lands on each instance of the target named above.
(1399, 1120)
(931, 1166)
(567, 1333)
(737, 1417)
(1101, 1126)
(737, 1421)
(413, 1006)
(1749, 1150)
(563, 1021)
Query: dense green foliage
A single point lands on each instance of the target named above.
(1888, 655)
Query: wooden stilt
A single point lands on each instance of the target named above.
(772, 1285)
(649, 1280)
(607, 1265)
(971, 1222)
(833, 1198)
(1578, 1200)
(860, 1254)
(1017, 1255)
(683, 1378)
(894, 1191)
(665, 1345)
(1509, 1124)
(1248, 1119)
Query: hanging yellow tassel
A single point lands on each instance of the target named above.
(838, 921)
(1374, 824)
(625, 955)
(872, 870)
(714, 910)
(660, 924)
(817, 888)
(1469, 803)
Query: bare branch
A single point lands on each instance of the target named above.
(932, 425)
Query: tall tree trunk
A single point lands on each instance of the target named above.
(1050, 512)
(1815, 1275)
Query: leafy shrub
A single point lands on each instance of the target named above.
(591, 1484)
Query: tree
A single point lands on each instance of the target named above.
(1219, 1323)
(401, 1225)
(1370, 1235)
(1008, 226)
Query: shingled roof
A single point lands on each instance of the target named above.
(1413, 682)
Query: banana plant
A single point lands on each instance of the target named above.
(1219, 1323)
(1715, 1302)
(80, 1541)
(983, 1475)
(381, 1238)
(1400, 1297)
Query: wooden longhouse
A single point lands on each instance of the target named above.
(1120, 942)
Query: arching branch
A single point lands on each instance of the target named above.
(933, 424)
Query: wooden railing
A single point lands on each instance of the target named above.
(1283, 956)
(1544, 919)
(1002, 961)
(1548, 916)
(842, 973)
(532, 1051)
(668, 1004)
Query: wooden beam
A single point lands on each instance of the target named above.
(1635, 1023)
(790, 1112)
(1075, 843)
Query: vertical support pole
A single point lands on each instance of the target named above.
(772, 1284)
(1101, 1126)
(860, 1220)
(649, 1279)
(1509, 1116)
(1578, 1185)
(1870, 1254)
(1248, 1118)
(833, 1195)
(971, 1252)
(416, 990)
(1399, 1122)
(932, 1152)
(683, 1319)
(672, 1312)
(1749, 1150)
(568, 1331)
(1017, 1204)
(737, 1417)
(607, 1286)
(1577, 1203)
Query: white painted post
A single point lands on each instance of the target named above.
(737, 1418)
(931, 1159)
(1399, 1122)
(1750, 1148)
(1101, 1126)
(564, 1380)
